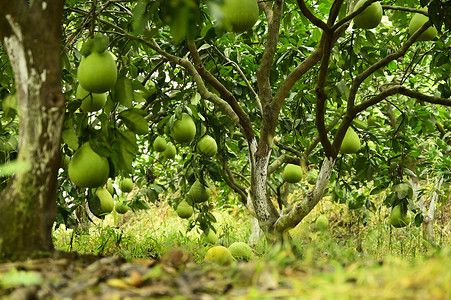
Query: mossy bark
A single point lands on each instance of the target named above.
(31, 36)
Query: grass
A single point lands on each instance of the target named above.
(349, 261)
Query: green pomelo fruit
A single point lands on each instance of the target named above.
(183, 130)
(159, 144)
(90, 101)
(312, 176)
(87, 168)
(170, 151)
(351, 142)
(198, 193)
(207, 146)
(322, 223)
(397, 220)
(240, 250)
(219, 255)
(184, 210)
(106, 200)
(416, 22)
(239, 15)
(121, 207)
(292, 173)
(126, 185)
(97, 72)
(210, 238)
(370, 17)
(109, 186)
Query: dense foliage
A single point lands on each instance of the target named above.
(294, 83)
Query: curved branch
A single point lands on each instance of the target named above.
(275, 165)
(309, 15)
(399, 89)
(382, 63)
(244, 120)
(231, 182)
(203, 90)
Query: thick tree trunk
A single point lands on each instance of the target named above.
(31, 37)
(265, 210)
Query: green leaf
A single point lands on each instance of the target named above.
(14, 167)
(134, 121)
(86, 48)
(123, 92)
(101, 42)
(70, 138)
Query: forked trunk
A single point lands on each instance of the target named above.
(31, 37)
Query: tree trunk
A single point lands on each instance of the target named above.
(31, 37)
(264, 209)
(429, 214)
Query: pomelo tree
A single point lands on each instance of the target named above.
(284, 88)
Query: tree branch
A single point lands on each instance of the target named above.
(275, 165)
(382, 63)
(264, 70)
(248, 84)
(231, 182)
(351, 16)
(309, 15)
(408, 9)
(244, 120)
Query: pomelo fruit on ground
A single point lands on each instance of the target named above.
(397, 220)
(183, 130)
(210, 238)
(207, 146)
(240, 250)
(170, 151)
(292, 173)
(184, 210)
(322, 223)
(87, 168)
(219, 255)
(97, 72)
(351, 142)
(106, 200)
(159, 144)
(239, 15)
(198, 192)
(90, 101)
(370, 17)
(416, 22)
(126, 185)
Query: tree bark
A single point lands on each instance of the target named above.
(31, 36)
(265, 210)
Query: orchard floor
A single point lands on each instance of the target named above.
(151, 255)
(176, 276)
